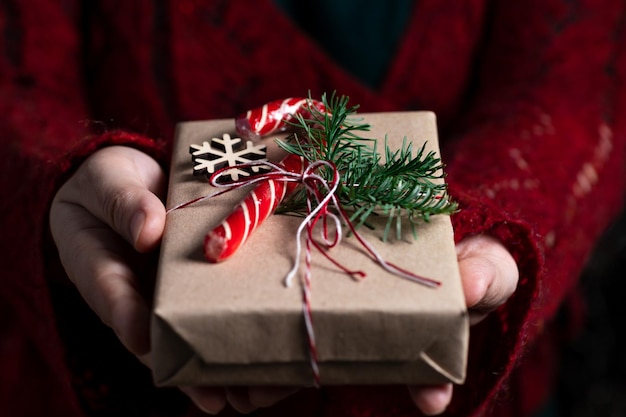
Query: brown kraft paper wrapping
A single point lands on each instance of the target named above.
(235, 323)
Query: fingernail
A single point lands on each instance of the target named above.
(136, 224)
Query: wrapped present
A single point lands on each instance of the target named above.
(236, 323)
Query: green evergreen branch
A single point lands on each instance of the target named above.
(400, 185)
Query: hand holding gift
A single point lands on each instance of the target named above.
(115, 197)
(103, 219)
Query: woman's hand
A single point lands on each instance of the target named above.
(489, 275)
(106, 213)
(109, 210)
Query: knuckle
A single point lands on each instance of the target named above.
(116, 204)
(89, 173)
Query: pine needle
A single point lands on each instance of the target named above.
(401, 185)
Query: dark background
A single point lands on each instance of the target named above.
(592, 380)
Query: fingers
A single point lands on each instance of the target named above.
(120, 186)
(267, 396)
(243, 399)
(239, 398)
(111, 196)
(93, 257)
(431, 399)
(211, 400)
(247, 399)
(489, 274)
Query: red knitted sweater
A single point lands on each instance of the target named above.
(530, 100)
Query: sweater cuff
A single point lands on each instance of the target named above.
(68, 164)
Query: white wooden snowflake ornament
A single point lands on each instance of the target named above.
(227, 152)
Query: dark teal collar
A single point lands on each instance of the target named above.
(360, 35)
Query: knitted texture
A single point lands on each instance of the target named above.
(530, 101)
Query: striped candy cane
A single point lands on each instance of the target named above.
(259, 204)
(275, 116)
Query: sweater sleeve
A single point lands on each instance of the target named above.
(539, 163)
(44, 134)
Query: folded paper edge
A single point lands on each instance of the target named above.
(431, 356)
(172, 356)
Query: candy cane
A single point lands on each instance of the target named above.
(224, 240)
(275, 116)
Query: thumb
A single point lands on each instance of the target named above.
(121, 187)
(488, 272)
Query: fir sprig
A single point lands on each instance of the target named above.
(398, 185)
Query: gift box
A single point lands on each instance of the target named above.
(236, 323)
